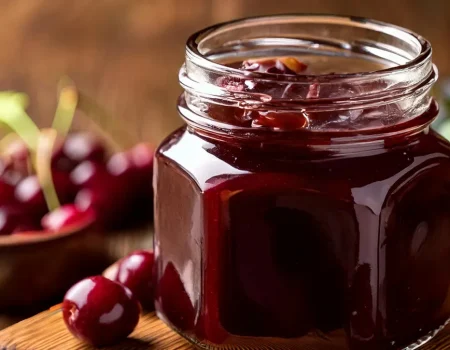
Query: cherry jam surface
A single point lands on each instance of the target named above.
(290, 247)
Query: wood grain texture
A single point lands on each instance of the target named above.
(46, 331)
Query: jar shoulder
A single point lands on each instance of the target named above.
(207, 161)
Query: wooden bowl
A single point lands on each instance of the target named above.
(37, 266)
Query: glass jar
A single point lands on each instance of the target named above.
(305, 211)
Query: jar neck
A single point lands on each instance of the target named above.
(404, 134)
(323, 108)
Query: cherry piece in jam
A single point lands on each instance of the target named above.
(275, 65)
(281, 121)
(135, 272)
(99, 311)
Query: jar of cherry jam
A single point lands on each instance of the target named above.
(306, 202)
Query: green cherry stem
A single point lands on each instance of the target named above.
(13, 115)
(65, 110)
(44, 151)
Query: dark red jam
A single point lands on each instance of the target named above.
(292, 238)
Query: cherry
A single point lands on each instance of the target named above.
(142, 157)
(120, 193)
(135, 169)
(109, 200)
(6, 193)
(99, 311)
(29, 192)
(61, 162)
(66, 217)
(135, 272)
(121, 165)
(83, 146)
(88, 173)
(14, 219)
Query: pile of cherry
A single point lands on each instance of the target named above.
(113, 192)
(103, 310)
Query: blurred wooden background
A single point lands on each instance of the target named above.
(126, 53)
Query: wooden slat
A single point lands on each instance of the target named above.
(46, 331)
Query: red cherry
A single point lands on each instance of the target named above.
(82, 146)
(61, 162)
(135, 272)
(13, 219)
(6, 193)
(99, 311)
(109, 200)
(29, 192)
(88, 173)
(120, 193)
(66, 217)
(142, 156)
(134, 168)
(121, 165)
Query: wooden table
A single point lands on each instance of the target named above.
(46, 331)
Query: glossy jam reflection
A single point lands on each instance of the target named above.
(289, 247)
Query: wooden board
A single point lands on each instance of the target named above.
(46, 331)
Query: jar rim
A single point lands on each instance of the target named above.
(193, 44)
(382, 97)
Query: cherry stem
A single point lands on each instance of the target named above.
(12, 114)
(67, 104)
(47, 139)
